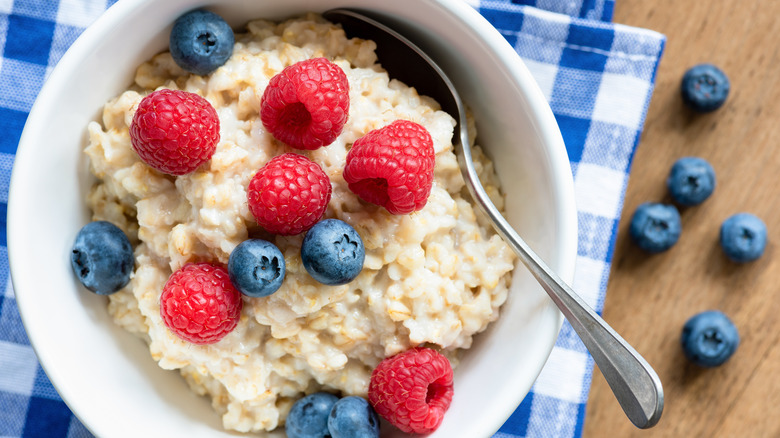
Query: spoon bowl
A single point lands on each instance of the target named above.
(635, 384)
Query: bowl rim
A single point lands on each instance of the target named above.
(566, 248)
(561, 168)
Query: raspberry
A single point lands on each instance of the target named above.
(199, 303)
(289, 194)
(174, 131)
(392, 167)
(306, 104)
(412, 390)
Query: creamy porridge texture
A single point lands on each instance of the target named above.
(434, 277)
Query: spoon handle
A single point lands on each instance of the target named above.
(633, 381)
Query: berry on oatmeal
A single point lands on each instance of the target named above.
(332, 252)
(174, 131)
(308, 417)
(201, 41)
(392, 167)
(412, 390)
(306, 105)
(256, 268)
(289, 194)
(199, 303)
(102, 257)
(353, 417)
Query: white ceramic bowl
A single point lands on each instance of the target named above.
(107, 376)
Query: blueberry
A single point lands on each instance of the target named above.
(102, 257)
(655, 227)
(743, 237)
(709, 338)
(308, 417)
(691, 181)
(704, 88)
(256, 268)
(353, 417)
(201, 41)
(332, 252)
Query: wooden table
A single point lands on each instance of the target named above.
(649, 297)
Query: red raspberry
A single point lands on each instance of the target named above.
(174, 131)
(392, 167)
(306, 104)
(289, 194)
(412, 390)
(199, 303)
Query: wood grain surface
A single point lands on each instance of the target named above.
(649, 297)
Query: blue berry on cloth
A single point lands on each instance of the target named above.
(201, 41)
(709, 338)
(691, 181)
(655, 227)
(705, 88)
(743, 237)
(102, 257)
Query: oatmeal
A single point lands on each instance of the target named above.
(434, 277)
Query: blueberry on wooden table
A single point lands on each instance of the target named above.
(743, 237)
(705, 88)
(691, 181)
(655, 227)
(709, 338)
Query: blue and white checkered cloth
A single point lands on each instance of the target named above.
(597, 76)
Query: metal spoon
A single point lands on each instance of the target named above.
(634, 383)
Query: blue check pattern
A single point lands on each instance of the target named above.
(597, 76)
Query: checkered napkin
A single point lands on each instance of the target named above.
(597, 76)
